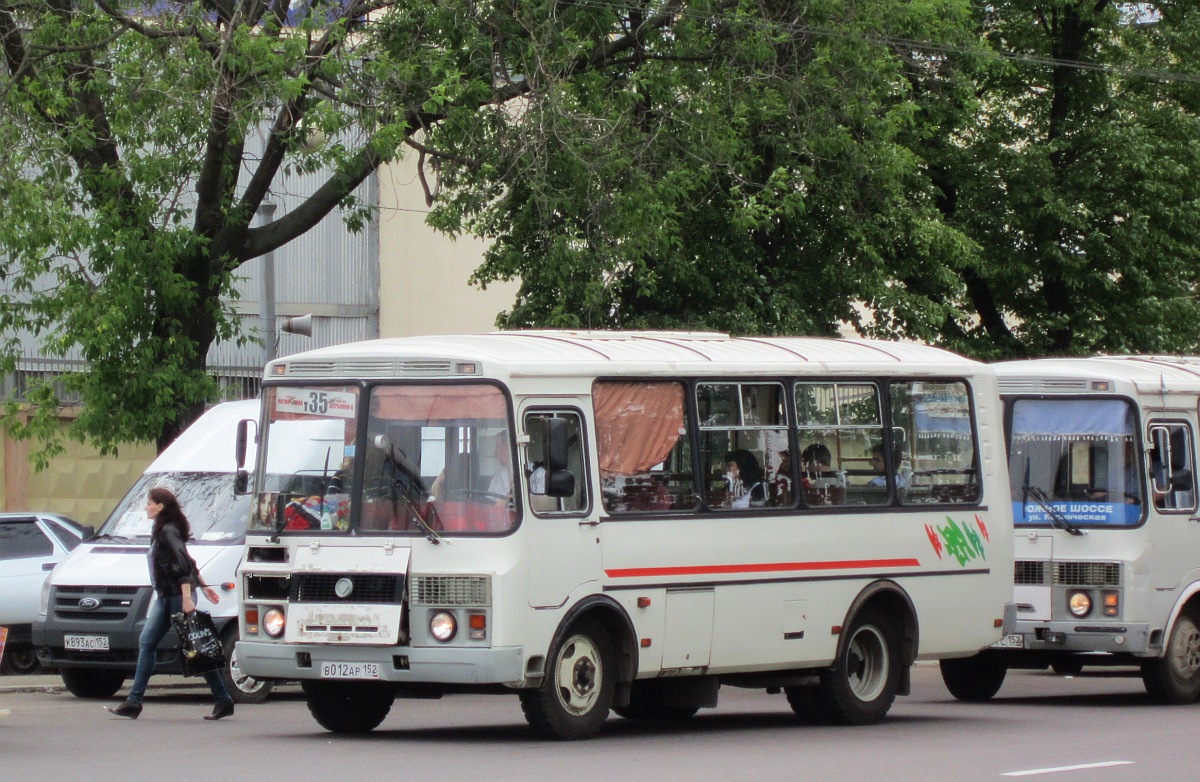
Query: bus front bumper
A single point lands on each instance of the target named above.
(1074, 636)
(434, 665)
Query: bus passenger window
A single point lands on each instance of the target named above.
(743, 442)
(934, 419)
(642, 444)
(839, 425)
(1172, 468)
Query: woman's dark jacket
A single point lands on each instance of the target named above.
(170, 563)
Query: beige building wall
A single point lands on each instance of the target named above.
(423, 274)
(79, 483)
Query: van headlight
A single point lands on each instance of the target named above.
(44, 600)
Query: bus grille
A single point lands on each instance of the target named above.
(1087, 574)
(1040, 572)
(450, 591)
(1030, 572)
(377, 588)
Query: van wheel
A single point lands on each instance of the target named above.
(20, 661)
(577, 689)
(92, 682)
(242, 688)
(860, 687)
(975, 678)
(348, 707)
(1175, 677)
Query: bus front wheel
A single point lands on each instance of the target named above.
(348, 707)
(577, 690)
(1175, 677)
(975, 678)
(860, 687)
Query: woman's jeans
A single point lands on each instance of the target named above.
(157, 624)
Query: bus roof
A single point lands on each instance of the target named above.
(537, 353)
(1146, 374)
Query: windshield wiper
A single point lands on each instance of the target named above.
(109, 536)
(1057, 519)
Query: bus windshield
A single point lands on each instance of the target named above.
(1074, 462)
(434, 459)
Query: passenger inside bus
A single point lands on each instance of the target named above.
(745, 477)
(821, 484)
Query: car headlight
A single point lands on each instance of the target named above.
(1079, 604)
(273, 622)
(443, 626)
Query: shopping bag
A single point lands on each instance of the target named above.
(199, 645)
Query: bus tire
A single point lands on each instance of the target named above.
(242, 688)
(577, 690)
(861, 685)
(974, 679)
(649, 700)
(1175, 677)
(348, 707)
(92, 682)
(805, 704)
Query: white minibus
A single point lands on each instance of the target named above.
(600, 521)
(1102, 475)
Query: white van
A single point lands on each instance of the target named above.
(94, 604)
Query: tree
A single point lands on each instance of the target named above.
(1075, 179)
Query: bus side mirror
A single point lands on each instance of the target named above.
(560, 482)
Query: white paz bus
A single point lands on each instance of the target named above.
(620, 521)
(1102, 471)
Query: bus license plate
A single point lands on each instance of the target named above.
(86, 643)
(349, 670)
(1015, 641)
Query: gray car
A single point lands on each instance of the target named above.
(31, 544)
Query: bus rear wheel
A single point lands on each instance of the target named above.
(976, 678)
(577, 689)
(1175, 677)
(860, 687)
(348, 707)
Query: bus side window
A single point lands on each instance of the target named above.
(1172, 467)
(538, 464)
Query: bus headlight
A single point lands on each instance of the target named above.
(443, 626)
(1079, 604)
(273, 622)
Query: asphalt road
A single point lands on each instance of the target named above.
(1088, 727)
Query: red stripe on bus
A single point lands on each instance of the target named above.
(766, 567)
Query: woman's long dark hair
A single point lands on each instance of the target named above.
(171, 513)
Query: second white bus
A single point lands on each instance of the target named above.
(618, 521)
(1102, 476)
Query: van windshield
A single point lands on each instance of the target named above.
(217, 515)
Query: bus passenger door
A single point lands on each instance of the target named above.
(1175, 535)
(563, 540)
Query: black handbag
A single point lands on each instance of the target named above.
(199, 645)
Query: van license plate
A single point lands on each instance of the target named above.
(1014, 641)
(349, 670)
(86, 643)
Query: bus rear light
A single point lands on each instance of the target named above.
(477, 626)
(1112, 604)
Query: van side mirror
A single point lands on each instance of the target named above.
(240, 443)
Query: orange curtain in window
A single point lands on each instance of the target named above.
(637, 424)
(437, 404)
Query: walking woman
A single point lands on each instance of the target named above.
(175, 580)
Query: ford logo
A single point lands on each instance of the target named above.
(343, 587)
(89, 604)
